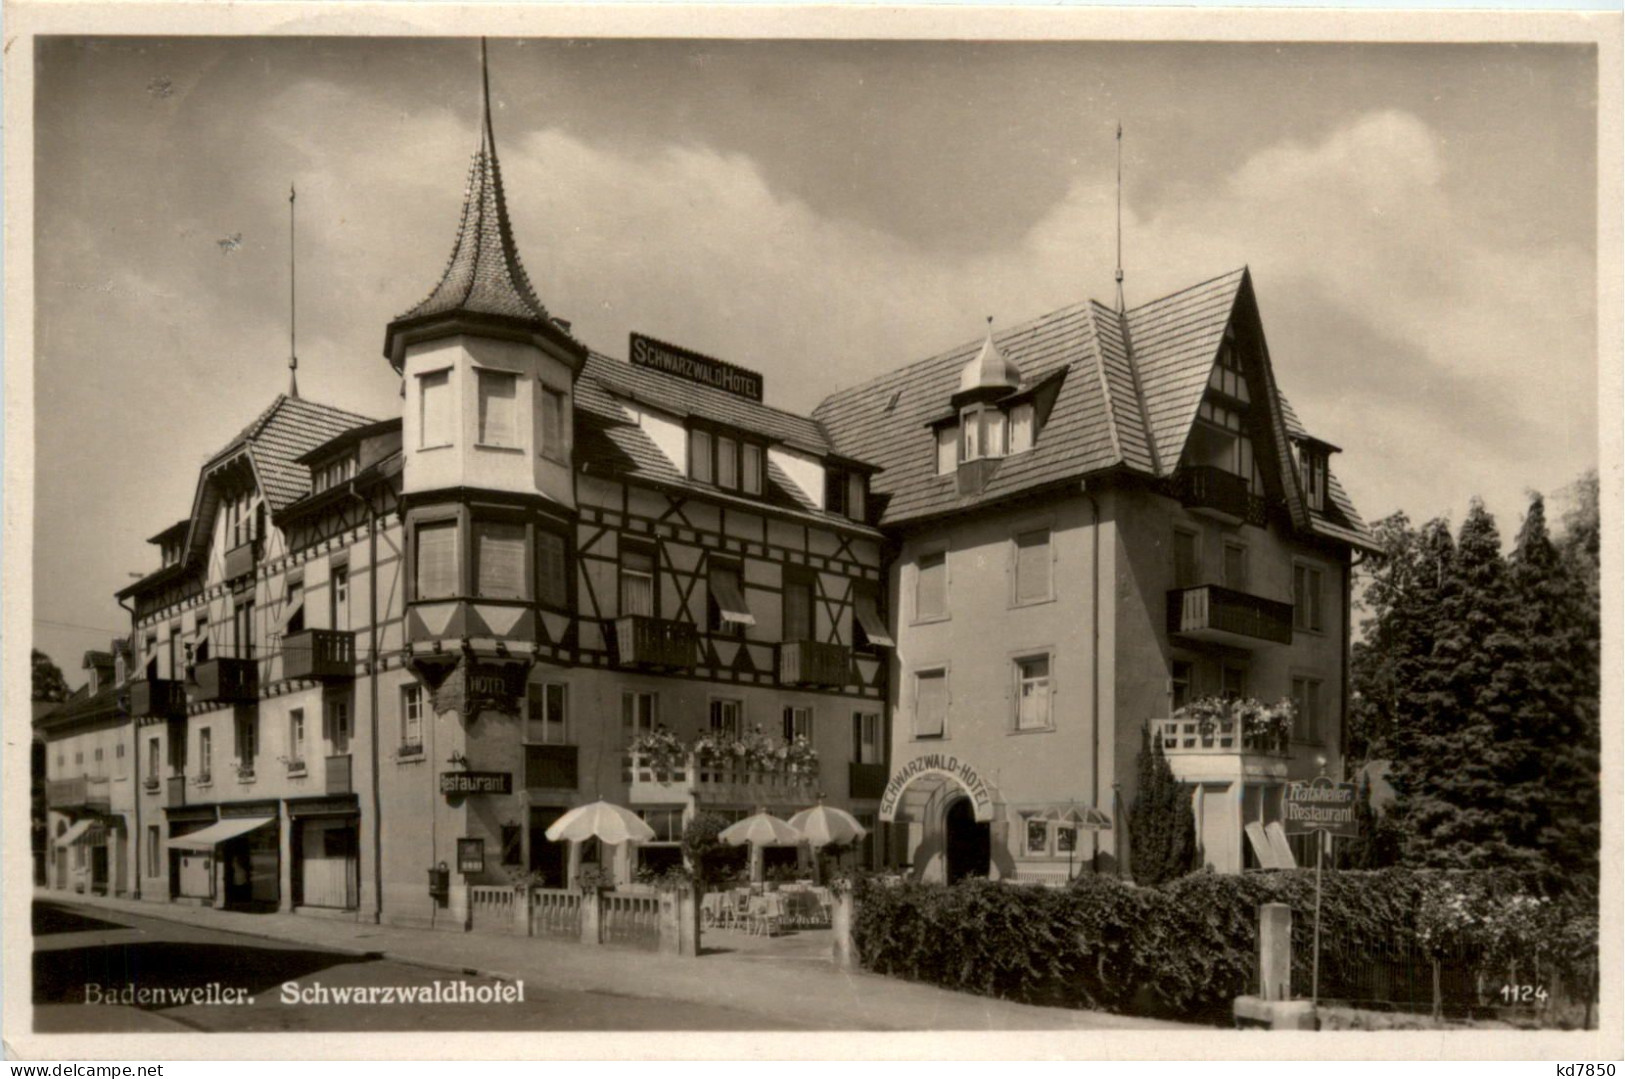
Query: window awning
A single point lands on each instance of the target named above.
(220, 831)
(78, 833)
(874, 627)
(730, 599)
(294, 610)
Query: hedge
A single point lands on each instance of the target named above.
(1188, 947)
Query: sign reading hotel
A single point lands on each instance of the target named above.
(647, 352)
(474, 687)
(476, 782)
(938, 764)
(1320, 806)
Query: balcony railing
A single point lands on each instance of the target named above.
(1182, 736)
(157, 697)
(814, 663)
(1210, 612)
(551, 767)
(78, 793)
(326, 654)
(1212, 492)
(177, 791)
(866, 780)
(654, 643)
(338, 775)
(226, 681)
(241, 559)
(715, 784)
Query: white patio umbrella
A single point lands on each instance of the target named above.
(600, 820)
(760, 830)
(826, 826)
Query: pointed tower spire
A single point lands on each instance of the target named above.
(989, 369)
(484, 280)
(293, 310)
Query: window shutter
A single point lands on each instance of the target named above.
(931, 590)
(947, 448)
(498, 400)
(552, 572)
(1032, 566)
(499, 555)
(930, 704)
(1021, 428)
(435, 393)
(437, 560)
(751, 456)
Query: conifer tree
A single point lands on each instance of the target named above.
(1162, 827)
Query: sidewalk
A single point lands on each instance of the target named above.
(802, 985)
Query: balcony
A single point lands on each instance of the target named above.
(718, 785)
(813, 663)
(653, 643)
(551, 767)
(226, 681)
(1213, 492)
(80, 794)
(241, 559)
(1221, 615)
(866, 780)
(177, 791)
(338, 775)
(1200, 750)
(157, 697)
(324, 654)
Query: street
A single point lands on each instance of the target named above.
(233, 982)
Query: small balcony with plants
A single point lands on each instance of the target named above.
(1217, 737)
(722, 768)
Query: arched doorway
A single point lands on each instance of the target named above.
(968, 842)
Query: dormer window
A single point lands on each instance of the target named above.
(725, 461)
(333, 473)
(982, 431)
(1312, 471)
(845, 493)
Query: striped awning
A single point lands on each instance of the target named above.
(88, 831)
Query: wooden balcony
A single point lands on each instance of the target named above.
(658, 644)
(338, 775)
(551, 767)
(1221, 615)
(176, 791)
(226, 681)
(1213, 492)
(1200, 750)
(81, 794)
(814, 663)
(866, 780)
(157, 697)
(241, 560)
(324, 654)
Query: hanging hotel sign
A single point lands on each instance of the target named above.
(1320, 806)
(647, 352)
(476, 783)
(472, 688)
(938, 764)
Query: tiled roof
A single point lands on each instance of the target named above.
(101, 705)
(283, 433)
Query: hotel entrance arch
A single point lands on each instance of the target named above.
(968, 842)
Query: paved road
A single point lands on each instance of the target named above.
(81, 952)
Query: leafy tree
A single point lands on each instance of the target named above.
(49, 685)
(711, 859)
(1162, 828)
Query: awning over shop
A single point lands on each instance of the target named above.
(78, 833)
(874, 627)
(220, 831)
(730, 599)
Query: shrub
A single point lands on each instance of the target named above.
(711, 860)
(1161, 825)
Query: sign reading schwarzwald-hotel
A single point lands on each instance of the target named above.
(694, 366)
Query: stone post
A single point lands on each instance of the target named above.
(592, 917)
(458, 915)
(521, 911)
(1275, 951)
(843, 952)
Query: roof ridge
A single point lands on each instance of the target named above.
(1093, 343)
(1244, 268)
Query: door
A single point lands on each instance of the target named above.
(969, 842)
(547, 858)
(327, 850)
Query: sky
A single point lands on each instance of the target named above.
(1420, 221)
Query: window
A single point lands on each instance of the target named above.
(205, 754)
(119, 768)
(553, 438)
(545, 720)
(293, 613)
(798, 723)
(336, 716)
(1066, 837)
(1037, 836)
(930, 703)
(1226, 377)
(1233, 682)
(296, 739)
(1235, 566)
(1032, 566)
(857, 499)
(243, 627)
(866, 737)
(1187, 559)
(412, 717)
(868, 623)
(947, 448)
(982, 432)
(152, 850)
(1306, 697)
(639, 714)
(155, 762)
(750, 461)
(699, 456)
(340, 596)
(499, 560)
(200, 638)
(663, 851)
(727, 462)
(1033, 694)
(1312, 471)
(970, 435)
(175, 651)
(798, 604)
(437, 558)
(513, 845)
(1179, 684)
(1021, 428)
(835, 491)
(552, 570)
(1306, 595)
(435, 416)
(931, 585)
(334, 472)
(727, 718)
(248, 741)
(78, 757)
(726, 610)
(637, 581)
(499, 399)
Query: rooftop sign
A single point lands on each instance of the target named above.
(647, 352)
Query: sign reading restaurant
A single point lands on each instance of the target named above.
(1320, 806)
(476, 782)
(940, 764)
(707, 371)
